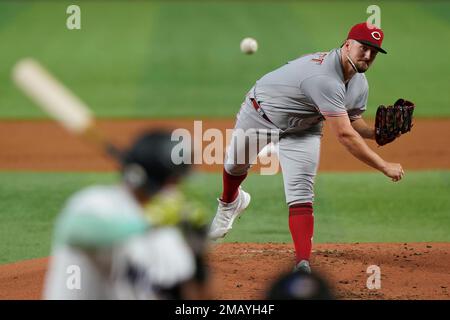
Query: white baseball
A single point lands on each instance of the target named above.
(249, 45)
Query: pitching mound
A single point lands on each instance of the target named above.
(408, 271)
(246, 270)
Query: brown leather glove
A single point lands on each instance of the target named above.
(392, 121)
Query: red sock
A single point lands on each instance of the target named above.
(301, 225)
(231, 186)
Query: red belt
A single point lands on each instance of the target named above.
(259, 110)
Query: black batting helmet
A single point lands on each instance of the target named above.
(149, 164)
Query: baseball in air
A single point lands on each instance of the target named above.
(249, 45)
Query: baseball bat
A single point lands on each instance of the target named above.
(60, 103)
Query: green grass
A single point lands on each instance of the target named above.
(352, 207)
(29, 203)
(357, 207)
(182, 58)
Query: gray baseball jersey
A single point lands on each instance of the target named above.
(298, 95)
(296, 98)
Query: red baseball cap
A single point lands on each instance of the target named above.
(367, 34)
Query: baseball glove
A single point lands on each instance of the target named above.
(392, 121)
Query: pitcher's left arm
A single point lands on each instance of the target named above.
(364, 130)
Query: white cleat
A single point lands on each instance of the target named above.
(227, 213)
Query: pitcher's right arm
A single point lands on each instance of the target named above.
(355, 144)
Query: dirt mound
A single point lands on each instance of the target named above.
(408, 271)
(246, 270)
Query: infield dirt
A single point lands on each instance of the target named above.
(45, 146)
(245, 270)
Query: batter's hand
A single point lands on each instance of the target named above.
(394, 171)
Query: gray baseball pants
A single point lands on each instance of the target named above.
(298, 152)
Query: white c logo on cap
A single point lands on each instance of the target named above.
(376, 35)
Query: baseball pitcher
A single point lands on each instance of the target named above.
(294, 101)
